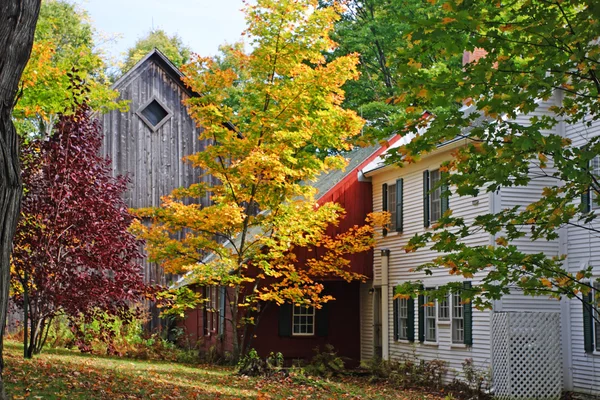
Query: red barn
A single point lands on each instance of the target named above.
(297, 331)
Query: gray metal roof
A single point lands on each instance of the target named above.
(327, 181)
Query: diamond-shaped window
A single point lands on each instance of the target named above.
(154, 114)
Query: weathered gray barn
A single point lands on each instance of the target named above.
(147, 143)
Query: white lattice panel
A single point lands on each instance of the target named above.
(526, 355)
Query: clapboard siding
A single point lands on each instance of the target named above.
(583, 248)
(366, 321)
(401, 263)
(522, 196)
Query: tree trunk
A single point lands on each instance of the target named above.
(17, 26)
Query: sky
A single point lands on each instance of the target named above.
(203, 25)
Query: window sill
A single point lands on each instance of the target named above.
(432, 344)
(392, 234)
(459, 346)
(404, 341)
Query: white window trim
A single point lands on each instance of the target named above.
(445, 323)
(435, 318)
(432, 190)
(304, 315)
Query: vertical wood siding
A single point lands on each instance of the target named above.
(151, 159)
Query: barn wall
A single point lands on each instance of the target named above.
(152, 159)
(343, 330)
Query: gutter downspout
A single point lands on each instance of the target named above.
(385, 320)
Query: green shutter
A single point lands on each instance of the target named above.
(421, 303)
(399, 205)
(410, 322)
(468, 316)
(285, 320)
(384, 201)
(586, 201)
(588, 334)
(425, 199)
(322, 320)
(396, 321)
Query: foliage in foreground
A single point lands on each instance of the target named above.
(535, 51)
(72, 252)
(64, 45)
(65, 374)
(284, 129)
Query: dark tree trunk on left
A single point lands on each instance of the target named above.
(17, 26)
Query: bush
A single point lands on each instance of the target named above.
(252, 365)
(325, 363)
(476, 383)
(408, 372)
(123, 337)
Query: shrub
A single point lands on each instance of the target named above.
(325, 363)
(252, 365)
(408, 371)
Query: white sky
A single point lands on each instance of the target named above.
(203, 25)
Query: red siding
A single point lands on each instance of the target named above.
(343, 328)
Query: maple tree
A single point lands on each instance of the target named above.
(275, 122)
(64, 45)
(72, 251)
(534, 50)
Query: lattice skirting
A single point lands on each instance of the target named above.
(526, 355)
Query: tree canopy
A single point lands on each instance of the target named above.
(534, 51)
(72, 252)
(63, 48)
(282, 131)
(171, 46)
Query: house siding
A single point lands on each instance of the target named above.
(366, 321)
(401, 263)
(583, 248)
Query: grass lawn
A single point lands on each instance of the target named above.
(64, 374)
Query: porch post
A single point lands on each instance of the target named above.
(385, 295)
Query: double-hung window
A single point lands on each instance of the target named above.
(591, 319)
(392, 206)
(444, 309)
(435, 195)
(430, 319)
(435, 198)
(392, 202)
(458, 319)
(448, 312)
(403, 319)
(211, 309)
(303, 321)
(595, 169)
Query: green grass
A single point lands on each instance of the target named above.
(65, 374)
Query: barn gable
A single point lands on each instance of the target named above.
(147, 142)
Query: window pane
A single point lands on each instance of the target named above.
(303, 320)
(444, 309)
(392, 206)
(430, 319)
(403, 319)
(596, 293)
(595, 168)
(435, 195)
(458, 322)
